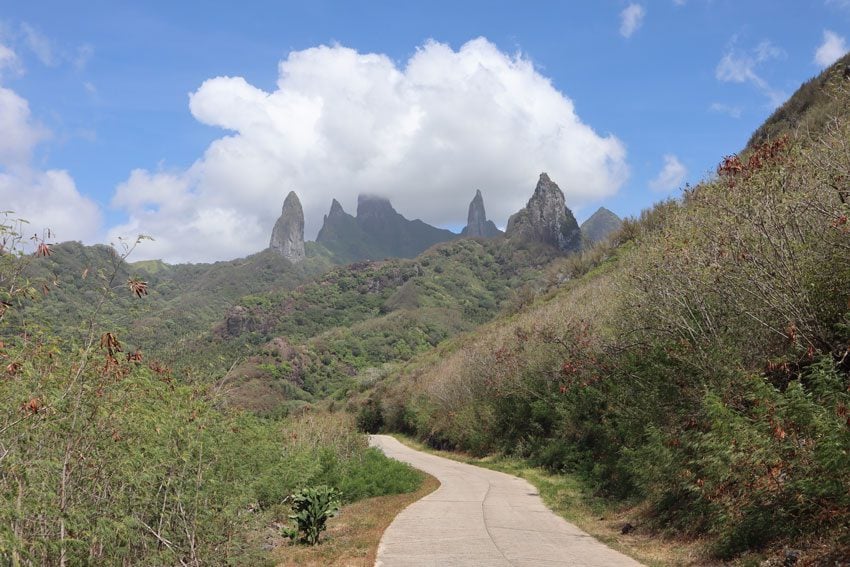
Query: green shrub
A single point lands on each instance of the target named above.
(374, 474)
(311, 509)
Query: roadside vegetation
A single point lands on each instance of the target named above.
(699, 364)
(109, 457)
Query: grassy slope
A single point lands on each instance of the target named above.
(808, 110)
(646, 376)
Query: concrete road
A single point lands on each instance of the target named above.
(482, 517)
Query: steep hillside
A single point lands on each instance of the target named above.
(700, 367)
(811, 108)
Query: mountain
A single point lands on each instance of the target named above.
(378, 231)
(546, 219)
(600, 226)
(182, 301)
(288, 233)
(477, 225)
(809, 109)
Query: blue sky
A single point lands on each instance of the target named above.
(644, 96)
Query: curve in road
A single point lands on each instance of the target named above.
(480, 517)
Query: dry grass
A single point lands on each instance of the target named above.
(353, 536)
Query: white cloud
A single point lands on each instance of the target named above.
(20, 134)
(831, 50)
(340, 123)
(39, 44)
(671, 175)
(9, 61)
(738, 66)
(727, 109)
(47, 199)
(631, 19)
(680, 2)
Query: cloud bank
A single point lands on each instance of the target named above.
(340, 123)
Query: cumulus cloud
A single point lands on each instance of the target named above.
(46, 199)
(831, 50)
(671, 175)
(631, 19)
(739, 66)
(340, 123)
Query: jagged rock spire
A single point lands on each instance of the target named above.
(477, 225)
(546, 218)
(288, 233)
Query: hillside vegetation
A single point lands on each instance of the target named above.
(181, 303)
(345, 328)
(701, 366)
(108, 457)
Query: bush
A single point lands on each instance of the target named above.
(311, 509)
(370, 418)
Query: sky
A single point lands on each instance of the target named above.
(191, 122)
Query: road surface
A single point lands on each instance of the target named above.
(480, 517)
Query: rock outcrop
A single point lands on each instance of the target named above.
(288, 233)
(477, 225)
(546, 218)
(378, 231)
(601, 224)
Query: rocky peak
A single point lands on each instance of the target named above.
(288, 233)
(477, 225)
(546, 218)
(372, 206)
(336, 210)
(600, 226)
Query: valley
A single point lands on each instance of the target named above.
(689, 365)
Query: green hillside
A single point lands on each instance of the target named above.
(339, 331)
(699, 369)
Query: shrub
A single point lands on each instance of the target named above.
(311, 509)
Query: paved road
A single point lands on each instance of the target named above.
(483, 518)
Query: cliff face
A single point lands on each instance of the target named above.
(546, 218)
(378, 231)
(288, 233)
(477, 225)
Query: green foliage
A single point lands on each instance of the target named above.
(354, 320)
(370, 418)
(108, 458)
(698, 362)
(311, 509)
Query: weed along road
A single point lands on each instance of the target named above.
(484, 518)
